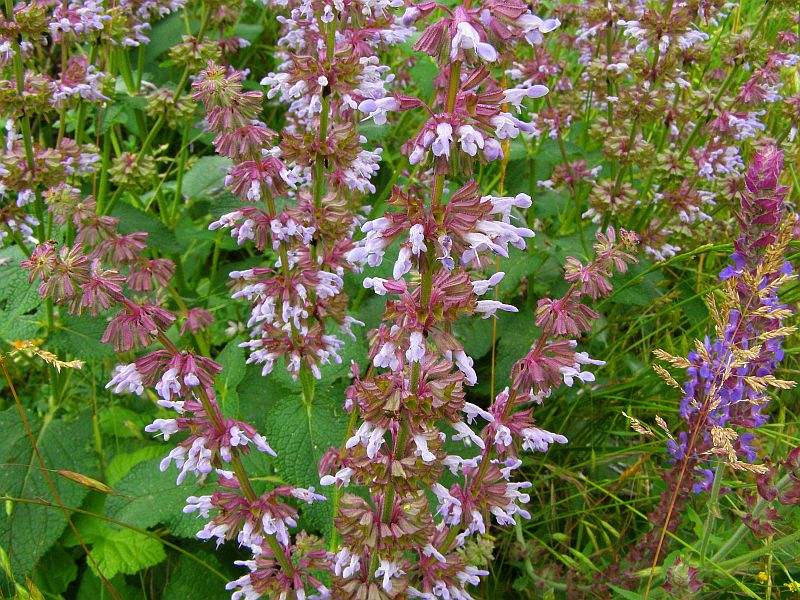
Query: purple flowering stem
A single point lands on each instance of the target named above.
(688, 454)
(307, 381)
(236, 460)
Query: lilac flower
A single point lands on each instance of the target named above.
(126, 379)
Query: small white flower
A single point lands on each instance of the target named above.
(416, 348)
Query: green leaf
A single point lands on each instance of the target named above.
(182, 583)
(80, 336)
(300, 435)
(132, 220)
(17, 298)
(123, 462)
(93, 589)
(476, 336)
(115, 113)
(248, 31)
(126, 551)
(516, 333)
(233, 369)
(55, 571)
(423, 73)
(517, 267)
(146, 497)
(119, 421)
(205, 176)
(257, 397)
(29, 530)
(165, 34)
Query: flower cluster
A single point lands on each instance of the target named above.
(320, 165)
(671, 142)
(210, 444)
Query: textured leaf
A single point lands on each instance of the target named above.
(119, 421)
(424, 72)
(233, 369)
(17, 298)
(92, 588)
(132, 220)
(30, 530)
(126, 551)
(248, 31)
(55, 571)
(258, 395)
(80, 336)
(146, 497)
(205, 176)
(516, 333)
(300, 435)
(182, 583)
(122, 463)
(165, 34)
(518, 266)
(476, 336)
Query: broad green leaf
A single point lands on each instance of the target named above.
(119, 421)
(205, 176)
(516, 333)
(248, 31)
(518, 266)
(146, 497)
(233, 369)
(122, 463)
(80, 336)
(132, 220)
(126, 551)
(182, 581)
(423, 73)
(258, 394)
(29, 530)
(55, 571)
(300, 435)
(92, 588)
(17, 298)
(476, 336)
(165, 34)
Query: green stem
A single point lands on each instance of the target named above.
(182, 157)
(150, 136)
(102, 190)
(713, 510)
(760, 506)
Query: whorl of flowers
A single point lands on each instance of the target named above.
(211, 445)
(395, 545)
(682, 136)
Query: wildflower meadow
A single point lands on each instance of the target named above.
(387, 299)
